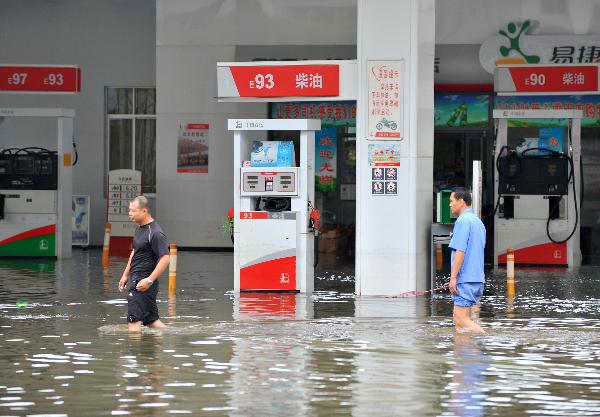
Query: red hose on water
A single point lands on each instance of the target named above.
(415, 293)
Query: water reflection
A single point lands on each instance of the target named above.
(268, 306)
(466, 389)
(143, 375)
(64, 346)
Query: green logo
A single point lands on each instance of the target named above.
(514, 42)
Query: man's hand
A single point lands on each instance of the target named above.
(452, 285)
(123, 282)
(459, 257)
(142, 285)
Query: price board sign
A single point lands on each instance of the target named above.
(123, 186)
(40, 79)
(547, 79)
(314, 80)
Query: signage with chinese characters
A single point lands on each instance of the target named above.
(123, 186)
(192, 148)
(554, 79)
(42, 79)
(384, 161)
(331, 113)
(273, 124)
(326, 159)
(384, 155)
(515, 46)
(385, 99)
(315, 80)
(588, 104)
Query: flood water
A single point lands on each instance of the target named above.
(65, 351)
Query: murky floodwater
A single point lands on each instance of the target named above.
(64, 349)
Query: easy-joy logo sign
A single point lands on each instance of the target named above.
(515, 46)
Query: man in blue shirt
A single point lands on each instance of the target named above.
(467, 276)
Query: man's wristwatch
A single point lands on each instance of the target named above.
(150, 282)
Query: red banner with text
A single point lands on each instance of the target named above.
(551, 79)
(286, 80)
(43, 79)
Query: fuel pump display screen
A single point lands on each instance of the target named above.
(33, 170)
(24, 165)
(269, 183)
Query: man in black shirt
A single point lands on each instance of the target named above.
(148, 260)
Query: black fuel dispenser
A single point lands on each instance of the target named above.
(536, 171)
(28, 168)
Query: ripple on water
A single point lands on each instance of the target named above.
(320, 355)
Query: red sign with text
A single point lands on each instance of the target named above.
(551, 79)
(287, 80)
(254, 215)
(23, 78)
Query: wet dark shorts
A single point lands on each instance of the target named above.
(468, 294)
(141, 306)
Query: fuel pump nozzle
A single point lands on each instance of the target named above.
(314, 219)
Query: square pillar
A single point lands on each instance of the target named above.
(392, 242)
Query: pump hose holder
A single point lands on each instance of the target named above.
(276, 204)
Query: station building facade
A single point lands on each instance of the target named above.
(149, 73)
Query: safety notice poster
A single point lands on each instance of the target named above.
(385, 100)
(192, 148)
(384, 160)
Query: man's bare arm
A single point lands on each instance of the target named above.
(125, 276)
(459, 257)
(160, 267)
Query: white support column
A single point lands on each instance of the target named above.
(392, 242)
(65, 187)
(307, 186)
(574, 246)
(237, 156)
(501, 140)
(476, 188)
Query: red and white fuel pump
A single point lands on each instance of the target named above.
(537, 186)
(538, 163)
(273, 240)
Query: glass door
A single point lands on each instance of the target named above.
(454, 153)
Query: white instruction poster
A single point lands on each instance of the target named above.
(385, 101)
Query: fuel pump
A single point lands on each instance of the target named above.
(537, 186)
(36, 191)
(274, 225)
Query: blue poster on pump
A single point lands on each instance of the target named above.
(272, 154)
(550, 138)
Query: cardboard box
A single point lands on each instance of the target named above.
(330, 245)
(321, 243)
